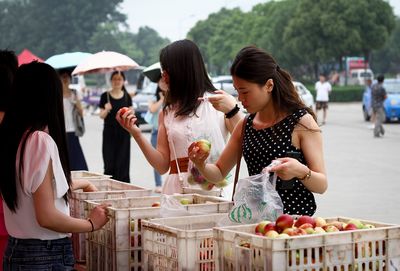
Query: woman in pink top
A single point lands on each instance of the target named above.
(35, 176)
(185, 74)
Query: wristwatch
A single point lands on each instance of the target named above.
(233, 112)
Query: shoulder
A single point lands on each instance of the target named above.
(308, 121)
(40, 140)
(40, 146)
(40, 136)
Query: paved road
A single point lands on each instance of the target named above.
(363, 172)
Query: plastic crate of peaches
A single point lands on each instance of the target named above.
(308, 243)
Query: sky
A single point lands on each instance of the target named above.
(174, 18)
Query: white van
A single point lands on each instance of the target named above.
(358, 76)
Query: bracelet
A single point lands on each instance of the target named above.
(233, 112)
(307, 176)
(91, 223)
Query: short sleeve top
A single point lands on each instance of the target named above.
(40, 149)
(262, 146)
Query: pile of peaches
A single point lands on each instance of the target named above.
(286, 226)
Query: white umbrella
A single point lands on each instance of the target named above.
(105, 61)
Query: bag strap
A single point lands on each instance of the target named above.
(239, 158)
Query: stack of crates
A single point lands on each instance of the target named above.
(180, 243)
(239, 248)
(107, 189)
(118, 245)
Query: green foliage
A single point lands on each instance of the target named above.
(49, 27)
(303, 35)
(342, 93)
(387, 59)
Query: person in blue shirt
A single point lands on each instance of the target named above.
(155, 105)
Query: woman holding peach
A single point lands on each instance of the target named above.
(184, 72)
(280, 127)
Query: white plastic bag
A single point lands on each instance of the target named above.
(171, 207)
(256, 199)
(207, 126)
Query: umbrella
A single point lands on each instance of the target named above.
(105, 61)
(153, 72)
(27, 56)
(67, 60)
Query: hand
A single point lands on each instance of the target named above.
(197, 156)
(108, 107)
(99, 216)
(289, 168)
(222, 101)
(128, 121)
(90, 187)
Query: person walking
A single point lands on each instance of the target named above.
(116, 141)
(378, 96)
(35, 175)
(368, 91)
(155, 106)
(279, 126)
(323, 88)
(71, 102)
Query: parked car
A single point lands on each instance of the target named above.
(359, 76)
(305, 94)
(391, 104)
(225, 83)
(140, 101)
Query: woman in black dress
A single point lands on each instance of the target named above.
(280, 127)
(116, 140)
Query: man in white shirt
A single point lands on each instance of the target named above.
(323, 88)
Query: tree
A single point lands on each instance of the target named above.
(327, 30)
(220, 37)
(387, 59)
(48, 27)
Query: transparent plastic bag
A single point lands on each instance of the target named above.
(256, 199)
(171, 207)
(207, 127)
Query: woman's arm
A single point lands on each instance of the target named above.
(155, 106)
(50, 218)
(225, 102)
(310, 142)
(158, 158)
(218, 171)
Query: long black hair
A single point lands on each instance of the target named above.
(36, 104)
(8, 68)
(188, 78)
(257, 66)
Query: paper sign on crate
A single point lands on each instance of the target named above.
(118, 245)
(372, 249)
(107, 189)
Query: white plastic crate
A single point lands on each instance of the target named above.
(118, 245)
(84, 174)
(238, 248)
(107, 189)
(180, 243)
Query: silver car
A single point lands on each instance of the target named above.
(305, 94)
